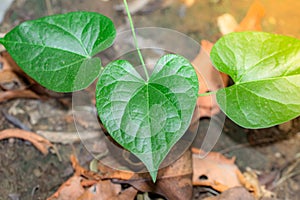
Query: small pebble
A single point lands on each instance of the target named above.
(278, 155)
(37, 172)
(11, 140)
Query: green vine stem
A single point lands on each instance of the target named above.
(207, 93)
(135, 40)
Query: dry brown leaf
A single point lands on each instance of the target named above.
(252, 21)
(4, 62)
(81, 171)
(71, 189)
(215, 170)
(173, 182)
(38, 141)
(250, 180)
(11, 84)
(106, 190)
(14, 94)
(10, 81)
(87, 185)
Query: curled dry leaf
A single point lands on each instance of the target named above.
(252, 21)
(71, 189)
(250, 180)
(173, 182)
(106, 190)
(11, 81)
(38, 141)
(102, 190)
(8, 95)
(81, 171)
(87, 185)
(215, 170)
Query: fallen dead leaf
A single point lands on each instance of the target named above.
(10, 81)
(215, 170)
(71, 189)
(250, 180)
(38, 141)
(15, 94)
(252, 21)
(173, 182)
(87, 185)
(80, 171)
(106, 190)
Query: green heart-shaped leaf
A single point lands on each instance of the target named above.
(266, 71)
(148, 117)
(52, 50)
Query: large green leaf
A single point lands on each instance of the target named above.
(147, 117)
(266, 71)
(53, 49)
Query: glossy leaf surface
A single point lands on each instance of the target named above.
(148, 117)
(265, 69)
(57, 50)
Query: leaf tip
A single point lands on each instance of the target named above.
(153, 175)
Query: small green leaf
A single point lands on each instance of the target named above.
(52, 50)
(266, 71)
(147, 118)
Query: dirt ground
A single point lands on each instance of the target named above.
(26, 173)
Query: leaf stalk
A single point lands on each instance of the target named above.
(207, 93)
(135, 40)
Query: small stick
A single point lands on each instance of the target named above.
(49, 7)
(38, 141)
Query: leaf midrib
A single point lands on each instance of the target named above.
(41, 46)
(67, 32)
(263, 97)
(266, 79)
(254, 66)
(61, 68)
